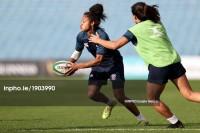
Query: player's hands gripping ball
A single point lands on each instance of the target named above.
(61, 68)
(71, 69)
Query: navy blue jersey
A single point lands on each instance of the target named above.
(111, 57)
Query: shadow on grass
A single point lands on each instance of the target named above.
(109, 127)
(186, 125)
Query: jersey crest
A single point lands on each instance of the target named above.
(113, 77)
(86, 44)
(156, 32)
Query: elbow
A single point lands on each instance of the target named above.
(98, 63)
(115, 46)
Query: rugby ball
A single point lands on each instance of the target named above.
(59, 67)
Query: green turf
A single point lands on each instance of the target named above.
(58, 119)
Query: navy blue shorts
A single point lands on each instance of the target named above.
(99, 76)
(161, 75)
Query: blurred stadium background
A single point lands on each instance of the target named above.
(36, 33)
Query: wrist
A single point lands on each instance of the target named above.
(78, 66)
(98, 40)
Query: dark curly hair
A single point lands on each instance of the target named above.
(96, 14)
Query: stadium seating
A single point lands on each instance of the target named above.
(47, 29)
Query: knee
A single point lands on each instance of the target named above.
(153, 97)
(92, 94)
(120, 98)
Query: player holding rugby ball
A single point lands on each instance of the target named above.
(107, 64)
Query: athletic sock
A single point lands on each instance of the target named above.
(140, 117)
(109, 103)
(173, 119)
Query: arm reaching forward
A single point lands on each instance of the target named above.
(74, 67)
(109, 44)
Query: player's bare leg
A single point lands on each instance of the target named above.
(185, 89)
(95, 94)
(120, 96)
(153, 93)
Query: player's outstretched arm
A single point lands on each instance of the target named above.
(109, 44)
(94, 62)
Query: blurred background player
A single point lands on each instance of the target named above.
(153, 45)
(107, 64)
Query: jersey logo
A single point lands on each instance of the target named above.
(86, 44)
(156, 32)
(91, 75)
(113, 77)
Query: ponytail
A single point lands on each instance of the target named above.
(96, 14)
(146, 12)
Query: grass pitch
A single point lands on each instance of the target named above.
(87, 119)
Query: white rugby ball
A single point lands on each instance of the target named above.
(59, 67)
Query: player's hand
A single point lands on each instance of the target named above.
(94, 38)
(71, 69)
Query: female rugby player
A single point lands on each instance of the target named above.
(107, 64)
(153, 45)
